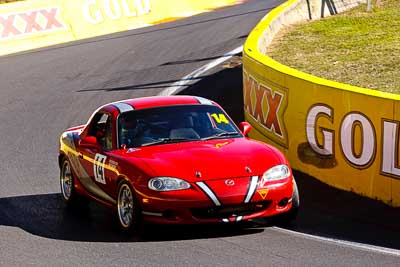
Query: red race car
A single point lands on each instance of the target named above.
(174, 160)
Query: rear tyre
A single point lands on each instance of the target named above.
(67, 184)
(129, 212)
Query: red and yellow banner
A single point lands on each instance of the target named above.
(37, 23)
(343, 135)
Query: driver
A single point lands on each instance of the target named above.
(128, 131)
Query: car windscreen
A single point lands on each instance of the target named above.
(173, 124)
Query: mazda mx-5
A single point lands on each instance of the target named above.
(174, 160)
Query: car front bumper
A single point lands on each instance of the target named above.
(196, 207)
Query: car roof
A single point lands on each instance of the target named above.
(157, 101)
(127, 105)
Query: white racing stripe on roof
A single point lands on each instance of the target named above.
(116, 104)
(203, 101)
(123, 107)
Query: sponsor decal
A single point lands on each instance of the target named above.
(113, 164)
(98, 168)
(266, 105)
(229, 182)
(97, 11)
(219, 145)
(30, 23)
(390, 148)
(356, 137)
(263, 193)
(220, 118)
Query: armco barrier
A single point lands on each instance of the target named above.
(343, 135)
(37, 23)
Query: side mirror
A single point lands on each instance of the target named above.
(245, 128)
(89, 142)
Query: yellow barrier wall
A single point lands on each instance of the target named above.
(37, 23)
(345, 136)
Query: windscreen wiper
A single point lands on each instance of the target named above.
(224, 134)
(166, 141)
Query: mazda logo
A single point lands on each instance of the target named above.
(229, 182)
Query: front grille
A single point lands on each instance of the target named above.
(228, 211)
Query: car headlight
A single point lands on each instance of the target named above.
(277, 172)
(167, 184)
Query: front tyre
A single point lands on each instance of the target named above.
(291, 215)
(128, 208)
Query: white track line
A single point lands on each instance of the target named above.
(179, 85)
(371, 248)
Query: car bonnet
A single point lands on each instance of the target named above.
(207, 160)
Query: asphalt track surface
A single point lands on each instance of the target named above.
(45, 91)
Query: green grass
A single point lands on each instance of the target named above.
(356, 47)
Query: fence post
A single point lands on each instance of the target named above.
(369, 5)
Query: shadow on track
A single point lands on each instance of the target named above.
(143, 86)
(188, 61)
(47, 216)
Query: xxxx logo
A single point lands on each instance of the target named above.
(29, 23)
(266, 106)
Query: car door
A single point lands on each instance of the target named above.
(96, 160)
